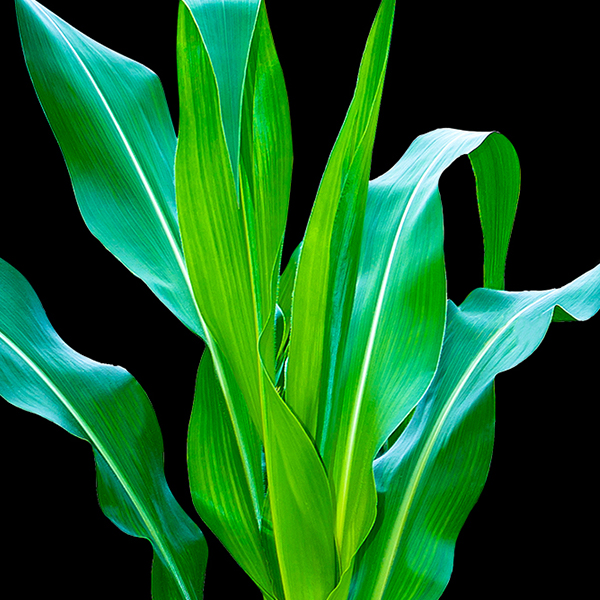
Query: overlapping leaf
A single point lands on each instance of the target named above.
(106, 406)
(362, 303)
(227, 491)
(430, 479)
(230, 232)
(328, 262)
(111, 120)
(397, 324)
(232, 213)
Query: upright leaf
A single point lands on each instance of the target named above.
(232, 237)
(430, 479)
(301, 505)
(227, 492)
(232, 217)
(287, 282)
(266, 168)
(328, 261)
(227, 29)
(106, 406)
(111, 120)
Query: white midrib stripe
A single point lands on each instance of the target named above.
(156, 536)
(178, 256)
(138, 168)
(344, 492)
(417, 474)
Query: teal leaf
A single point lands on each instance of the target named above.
(397, 323)
(105, 406)
(111, 120)
(432, 476)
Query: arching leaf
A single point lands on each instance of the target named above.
(105, 406)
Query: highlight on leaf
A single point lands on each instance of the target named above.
(342, 424)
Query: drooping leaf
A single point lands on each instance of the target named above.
(498, 182)
(432, 476)
(104, 405)
(111, 120)
(397, 324)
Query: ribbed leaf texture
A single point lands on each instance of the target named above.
(343, 416)
(105, 406)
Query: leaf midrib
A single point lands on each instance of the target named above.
(178, 253)
(417, 474)
(358, 400)
(156, 536)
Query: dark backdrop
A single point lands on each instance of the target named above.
(525, 74)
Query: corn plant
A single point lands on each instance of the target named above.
(343, 418)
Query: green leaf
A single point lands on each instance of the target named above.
(111, 120)
(430, 479)
(104, 405)
(498, 182)
(224, 459)
(301, 505)
(328, 261)
(232, 240)
(287, 283)
(227, 29)
(287, 543)
(397, 324)
(284, 316)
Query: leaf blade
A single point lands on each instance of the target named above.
(397, 323)
(491, 332)
(231, 248)
(105, 406)
(227, 487)
(498, 182)
(232, 240)
(301, 505)
(340, 197)
(122, 167)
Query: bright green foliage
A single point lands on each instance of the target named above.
(343, 418)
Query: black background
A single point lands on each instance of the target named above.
(526, 74)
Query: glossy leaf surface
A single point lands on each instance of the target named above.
(104, 405)
(430, 479)
(327, 266)
(232, 239)
(232, 236)
(301, 505)
(227, 493)
(111, 120)
(397, 323)
(310, 373)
